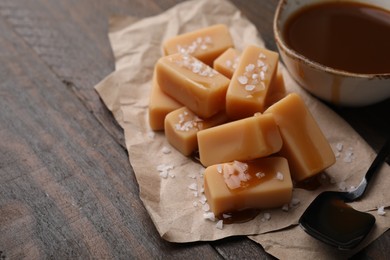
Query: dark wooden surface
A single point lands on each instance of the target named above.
(67, 189)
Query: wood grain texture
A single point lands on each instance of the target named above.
(66, 187)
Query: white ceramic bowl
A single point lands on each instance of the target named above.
(336, 86)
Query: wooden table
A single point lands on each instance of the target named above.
(67, 189)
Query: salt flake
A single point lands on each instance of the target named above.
(250, 87)
(166, 150)
(279, 176)
(381, 211)
(219, 224)
(250, 67)
(243, 79)
(209, 216)
(266, 217)
(193, 186)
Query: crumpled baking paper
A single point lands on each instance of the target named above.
(174, 201)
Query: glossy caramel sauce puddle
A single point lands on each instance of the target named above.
(352, 37)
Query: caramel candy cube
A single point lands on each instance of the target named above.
(227, 62)
(259, 184)
(160, 104)
(241, 140)
(182, 125)
(205, 44)
(277, 90)
(192, 83)
(304, 145)
(249, 85)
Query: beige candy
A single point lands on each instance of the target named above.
(250, 83)
(160, 104)
(277, 90)
(304, 145)
(205, 44)
(242, 140)
(259, 184)
(227, 62)
(182, 125)
(192, 83)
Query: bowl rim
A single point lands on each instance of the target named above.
(315, 65)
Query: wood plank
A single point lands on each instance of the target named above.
(66, 187)
(70, 37)
(66, 64)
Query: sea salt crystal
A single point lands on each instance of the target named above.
(166, 150)
(219, 224)
(266, 217)
(219, 168)
(209, 216)
(192, 176)
(164, 175)
(339, 147)
(195, 204)
(295, 201)
(196, 67)
(262, 56)
(262, 75)
(151, 134)
(342, 186)
(260, 174)
(203, 199)
(260, 63)
(250, 87)
(285, 207)
(381, 211)
(193, 186)
(243, 80)
(164, 170)
(224, 215)
(249, 67)
(279, 176)
(206, 207)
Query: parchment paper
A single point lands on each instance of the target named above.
(175, 202)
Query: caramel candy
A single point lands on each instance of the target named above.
(182, 125)
(192, 83)
(227, 62)
(304, 145)
(249, 86)
(259, 184)
(205, 44)
(242, 140)
(160, 104)
(277, 90)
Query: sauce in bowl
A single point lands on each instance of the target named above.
(352, 37)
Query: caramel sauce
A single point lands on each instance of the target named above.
(239, 216)
(352, 37)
